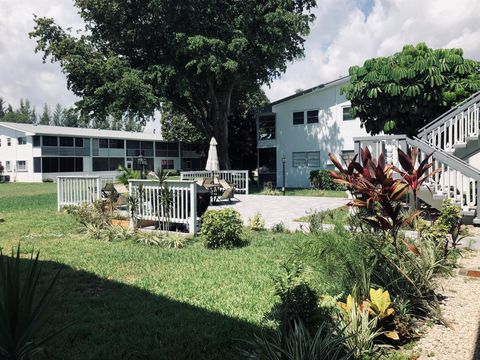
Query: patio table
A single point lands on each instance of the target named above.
(215, 190)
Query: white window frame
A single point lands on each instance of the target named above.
(343, 109)
(8, 166)
(21, 169)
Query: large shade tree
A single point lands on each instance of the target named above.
(403, 92)
(193, 54)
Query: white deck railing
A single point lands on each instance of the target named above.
(183, 209)
(239, 178)
(77, 190)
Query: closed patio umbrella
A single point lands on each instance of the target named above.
(212, 160)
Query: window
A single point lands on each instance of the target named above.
(312, 116)
(266, 127)
(66, 141)
(50, 164)
(347, 114)
(169, 149)
(50, 141)
(37, 164)
(103, 143)
(58, 164)
(298, 118)
(8, 166)
(21, 165)
(36, 141)
(0, 142)
(79, 142)
(115, 144)
(307, 158)
(22, 140)
(9, 142)
(168, 164)
(107, 164)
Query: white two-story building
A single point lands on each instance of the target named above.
(32, 153)
(298, 132)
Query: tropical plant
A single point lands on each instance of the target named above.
(222, 228)
(165, 197)
(23, 307)
(256, 222)
(298, 344)
(321, 179)
(403, 92)
(127, 174)
(451, 219)
(134, 202)
(279, 228)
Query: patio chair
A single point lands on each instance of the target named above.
(200, 181)
(229, 190)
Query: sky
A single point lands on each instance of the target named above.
(345, 33)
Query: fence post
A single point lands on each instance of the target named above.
(192, 221)
(59, 195)
(131, 224)
(99, 188)
(246, 182)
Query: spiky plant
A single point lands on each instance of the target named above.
(23, 307)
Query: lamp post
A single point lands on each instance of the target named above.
(143, 163)
(284, 160)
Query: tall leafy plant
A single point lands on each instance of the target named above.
(165, 199)
(23, 307)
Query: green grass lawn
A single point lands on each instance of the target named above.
(299, 192)
(126, 300)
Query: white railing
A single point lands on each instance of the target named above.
(239, 178)
(183, 208)
(76, 190)
(455, 128)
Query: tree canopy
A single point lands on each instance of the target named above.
(403, 92)
(134, 55)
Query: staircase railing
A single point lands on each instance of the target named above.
(457, 180)
(454, 128)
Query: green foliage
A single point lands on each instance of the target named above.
(279, 228)
(298, 344)
(317, 219)
(451, 220)
(127, 174)
(162, 239)
(23, 307)
(93, 214)
(195, 63)
(256, 222)
(298, 301)
(405, 91)
(321, 179)
(222, 228)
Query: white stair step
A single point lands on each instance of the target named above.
(460, 145)
(471, 138)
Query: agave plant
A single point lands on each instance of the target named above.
(23, 307)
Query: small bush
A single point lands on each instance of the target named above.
(164, 240)
(451, 219)
(222, 228)
(47, 180)
(321, 180)
(256, 222)
(280, 228)
(317, 220)
(95, 213)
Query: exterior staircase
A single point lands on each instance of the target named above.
(452, 139)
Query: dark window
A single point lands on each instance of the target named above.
(22, 140)
(100, 164)
(50, 141)
(66, 141)
(67, 164)
(37, 164)
(312, 116)
(50, 164)
(9, 141)
(78, 164)
(36, 141)
(168, 164)
(114, 163)
(347, 113)
(266, 127)
(115, 144)
(103, 143)
(298, 118)
(167, 149)
(146, 145)
(133, 144)
(79, 142)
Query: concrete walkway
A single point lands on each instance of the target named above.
(276, 209)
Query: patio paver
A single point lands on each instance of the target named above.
(276, 209)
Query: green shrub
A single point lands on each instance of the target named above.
(269, 189)
(47, 180)
(222, 228)
(256, 222)
(280, 228)
(23, 307)
(317, 219)
(299, 344)
(127, 174)
(321, 179)
(161, 239)
(451, 219)
(95, 213)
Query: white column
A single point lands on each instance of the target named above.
(192, 222)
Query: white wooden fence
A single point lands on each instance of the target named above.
(76, 190)
(239, 178)
(183, 208)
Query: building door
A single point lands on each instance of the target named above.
(267, 166)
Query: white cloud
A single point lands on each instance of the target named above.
(390, 25)
(341, 36)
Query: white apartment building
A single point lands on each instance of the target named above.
(302, 129)
(31, 153)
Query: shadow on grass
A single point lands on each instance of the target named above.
(476, 353)
(113, 320)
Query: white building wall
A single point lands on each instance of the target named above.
(16, 152)
(330, 134)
